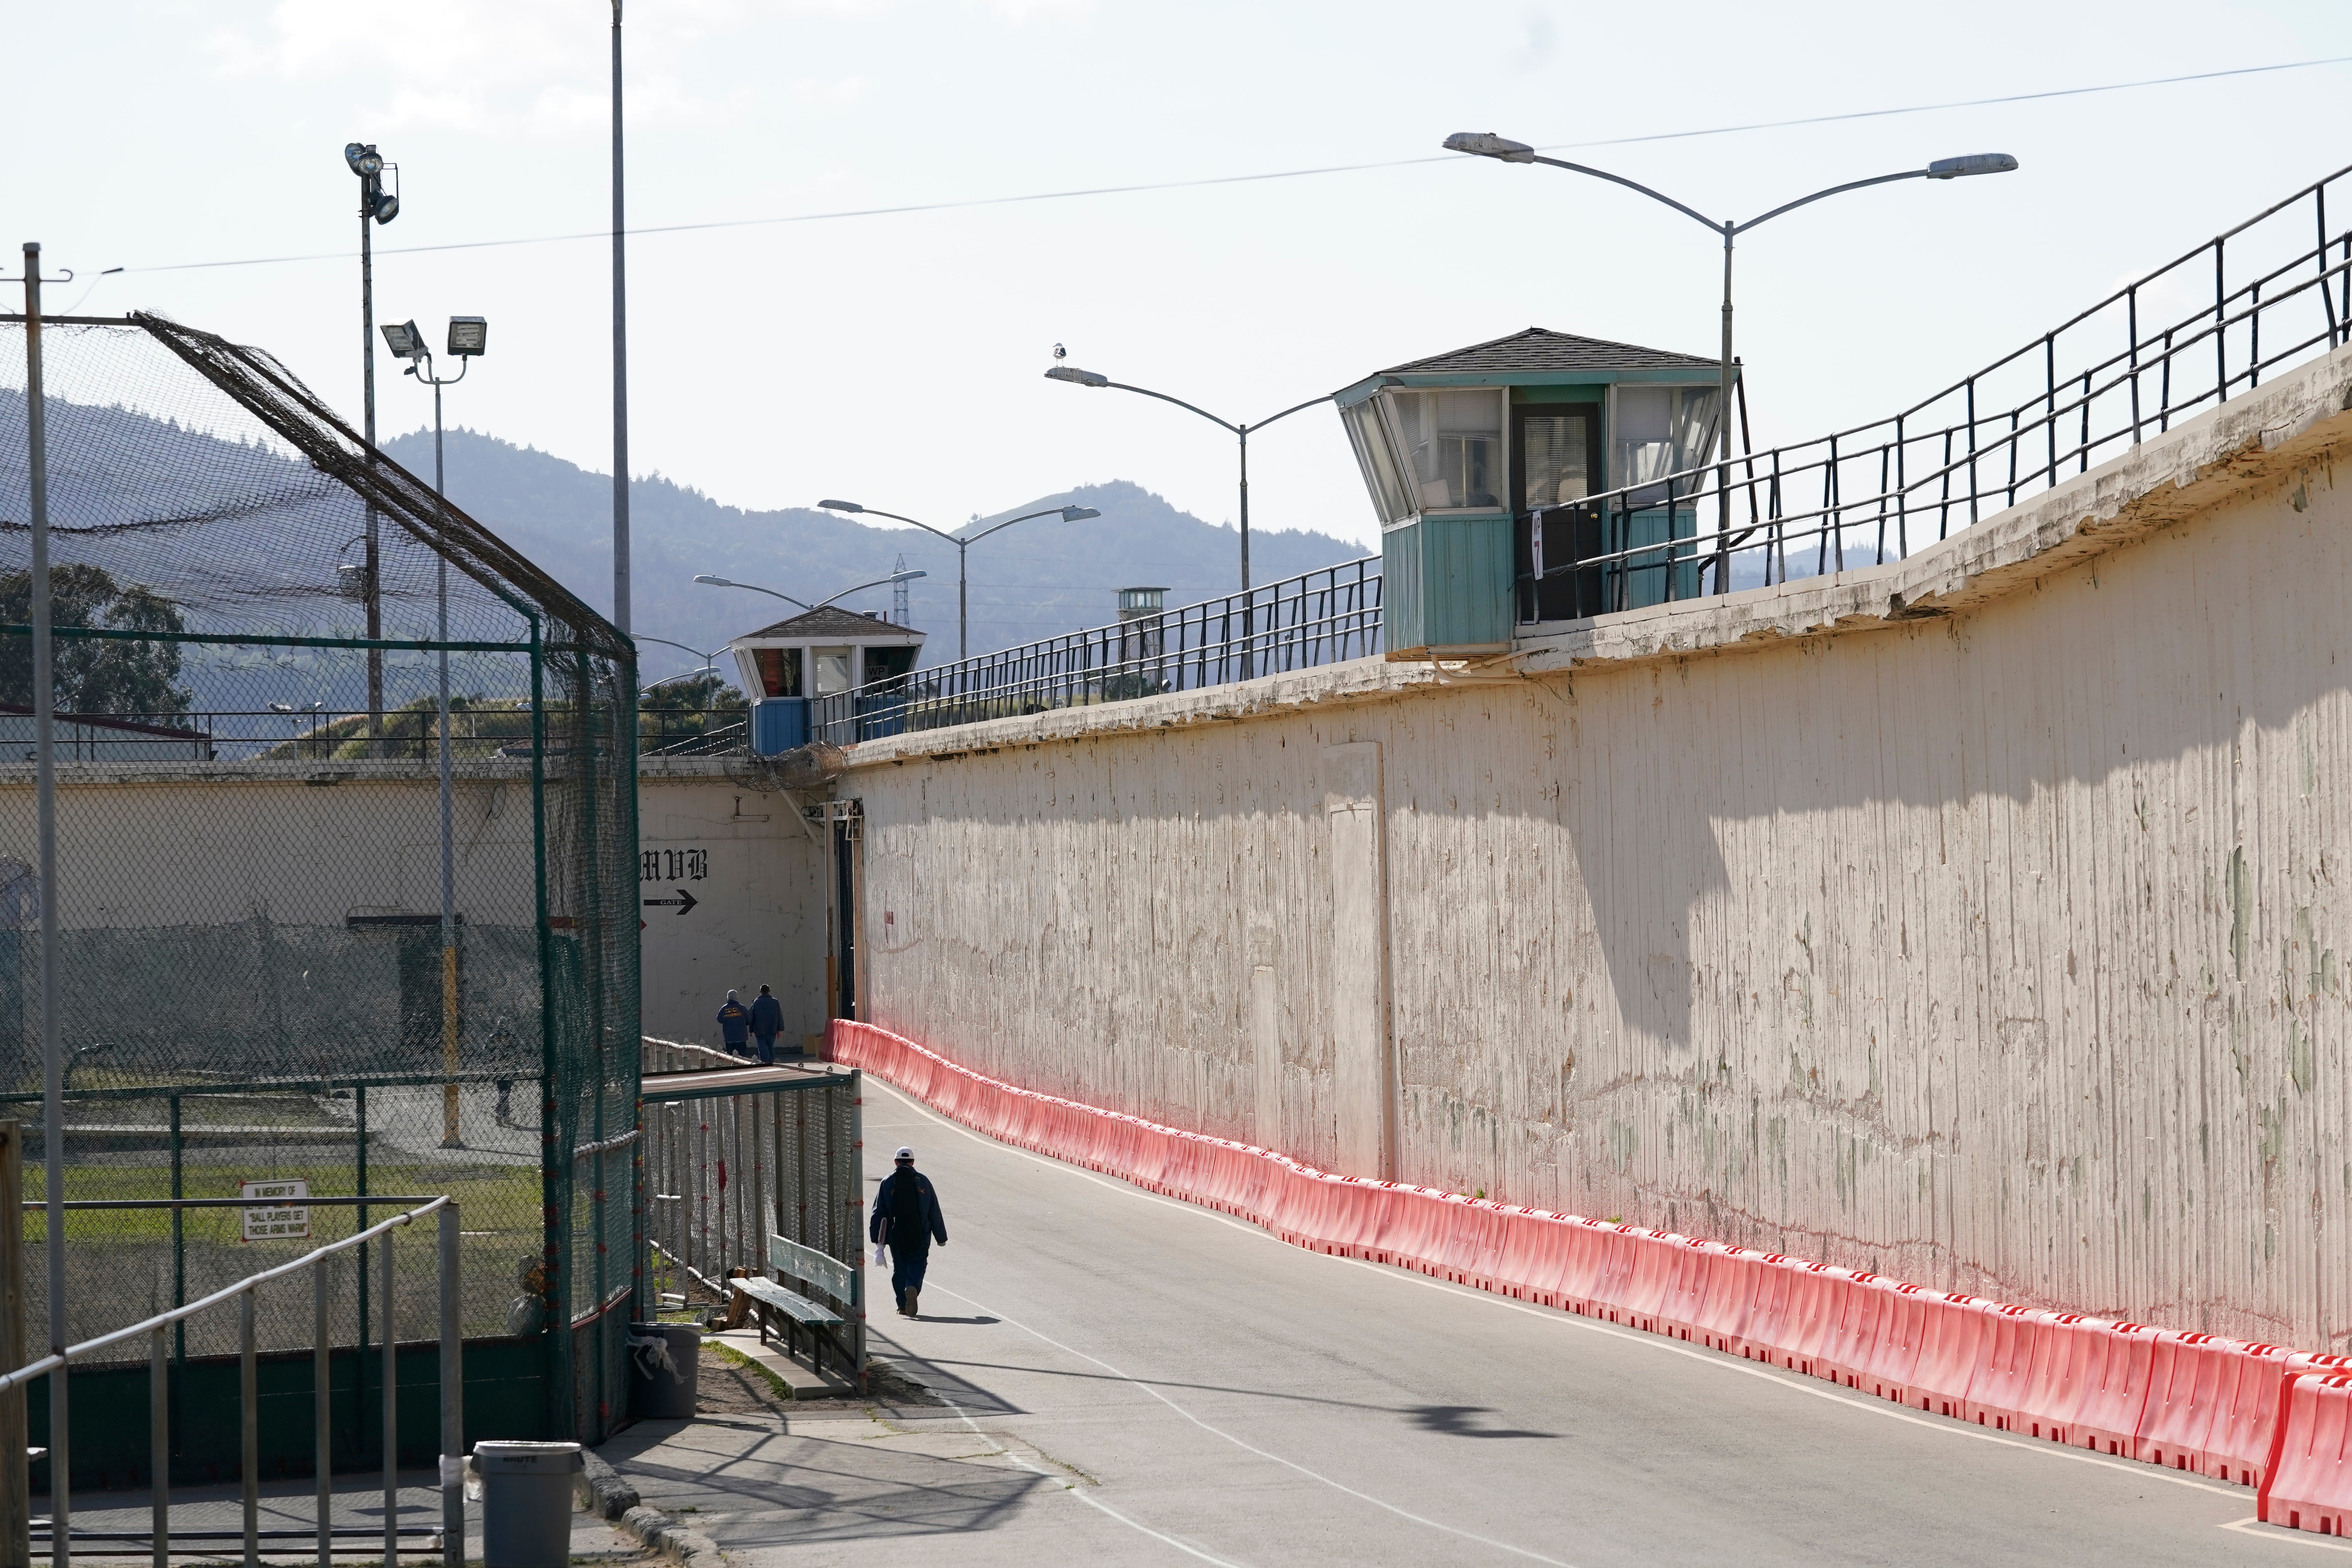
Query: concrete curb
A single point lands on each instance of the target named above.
(603, 1491)
(688, 1548)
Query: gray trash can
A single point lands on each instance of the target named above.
(663, 1360)
(526, 1502)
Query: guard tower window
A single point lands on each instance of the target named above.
(780, 671)
(834, 668)
(889, 663)
(1662, 430)
(1451, 444)
(1382, 474)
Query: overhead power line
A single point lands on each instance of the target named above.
(1249, 179)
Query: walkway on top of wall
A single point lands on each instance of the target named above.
(2261, 439)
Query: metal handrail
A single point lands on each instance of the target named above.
(1298, 623)
(2014, 429)
(453, 1506)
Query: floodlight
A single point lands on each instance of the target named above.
(364, 159)
(1974, 164)
(387, 206)
(1075, 376)
(469, 336)
(848, 506)
(1487, 144)
(1078, 513)
(403, 339)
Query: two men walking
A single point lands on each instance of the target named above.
(907, 1216)
(763, 1021)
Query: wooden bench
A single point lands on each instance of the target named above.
(773, 1304)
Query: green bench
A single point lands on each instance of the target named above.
(774, 1306)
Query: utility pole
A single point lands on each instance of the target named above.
(620, 358)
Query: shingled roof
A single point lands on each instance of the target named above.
(832, 621)
(1539, 350)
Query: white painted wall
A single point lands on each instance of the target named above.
(1998, 949)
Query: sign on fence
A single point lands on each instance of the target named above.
(281, 1213)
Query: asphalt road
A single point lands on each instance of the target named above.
(1133, 1379)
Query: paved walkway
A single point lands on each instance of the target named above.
(1134, 1380)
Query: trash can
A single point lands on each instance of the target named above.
(526, 1502)
(662, 1359)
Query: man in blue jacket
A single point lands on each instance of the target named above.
(767, 1019)
(907, 1216)
(734, 1023)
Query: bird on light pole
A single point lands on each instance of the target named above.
(962, 542)
(1487, 144)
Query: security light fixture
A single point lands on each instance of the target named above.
(469, 336)
(403, 339)
(714, 582)
(364, 159)
(1075, 376)
(847, 506)
(1078, 513)
(1487, 144)
(1974, 164)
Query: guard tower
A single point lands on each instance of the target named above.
(820, 653)
(1460, 449)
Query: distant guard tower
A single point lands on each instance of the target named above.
(820, 653)
(1459, 449)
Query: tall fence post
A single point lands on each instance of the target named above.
(16, 1471)
(453, 1398)
(323, 1402)
(391, 1417)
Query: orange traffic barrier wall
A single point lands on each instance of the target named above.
(2255, 1414)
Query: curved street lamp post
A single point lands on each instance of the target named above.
(961, 542)
(1487, 144)
(710, 582)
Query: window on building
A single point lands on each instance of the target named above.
(1451, 443)
(1377, 460)
(887, 663)
(780, 671)
(1662, 430)
(836, 668)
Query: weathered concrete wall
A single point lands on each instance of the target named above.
(1975, 919)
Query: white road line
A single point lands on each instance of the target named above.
(1808, 1386)
(1250, 1448)
(1094, 1502)
(2285, 1536)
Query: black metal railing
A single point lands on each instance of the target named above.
(2190, 335)
(1322, 617)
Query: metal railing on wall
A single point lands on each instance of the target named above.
(1322, 617)
(159, 1329)
(2205, 327)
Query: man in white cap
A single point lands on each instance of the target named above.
(907, 1216)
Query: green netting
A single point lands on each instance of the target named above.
(253, 609)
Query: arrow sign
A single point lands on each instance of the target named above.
(683, 902)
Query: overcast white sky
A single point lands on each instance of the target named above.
(897, 359)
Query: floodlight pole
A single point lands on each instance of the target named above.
(450, 1138)
(374, 600)
(620, 359)
(45, 818)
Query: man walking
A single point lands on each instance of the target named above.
(767, 1018)
(734, 1022)
(907, 1216)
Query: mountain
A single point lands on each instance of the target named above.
(1037, 580)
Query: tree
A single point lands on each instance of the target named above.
(94, 675)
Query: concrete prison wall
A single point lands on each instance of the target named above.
(1977, 920)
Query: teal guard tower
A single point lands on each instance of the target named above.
(1484, 465)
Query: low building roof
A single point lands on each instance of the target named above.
(1539, 348)
(833, 624)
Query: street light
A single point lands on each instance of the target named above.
(1487, 144)
(1077, 377)
(961, 542)
(377, 205)
(468, 337)
(710, 582)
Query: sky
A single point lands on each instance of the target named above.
(897, 359)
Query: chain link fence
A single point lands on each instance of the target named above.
(259, 989)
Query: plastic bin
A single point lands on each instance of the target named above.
(663, 1360)
(526, 1502)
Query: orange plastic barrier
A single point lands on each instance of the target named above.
(2256, 1414)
